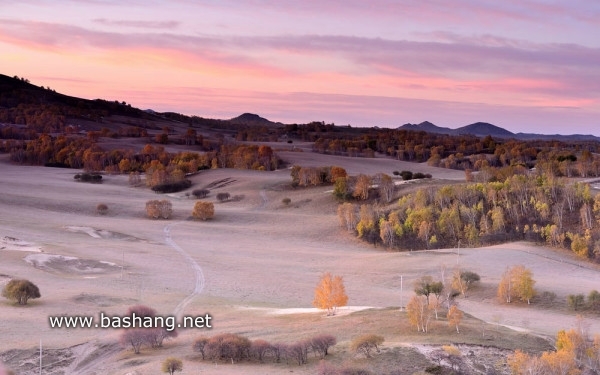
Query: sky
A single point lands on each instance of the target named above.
(524, 65)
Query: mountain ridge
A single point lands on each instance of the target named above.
(483, 129)
(15, 91)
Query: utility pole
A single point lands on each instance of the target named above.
(401, 287)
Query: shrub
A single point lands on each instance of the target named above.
(21, 291)
(88, 177)
(200, 193)
(156, 209)
(286, 201)
(170, 365)
(203, 210)
(222, 197)
(396, 173)
(366, 343)
(406, 175)
(102, 209)
(576, 301)
(172, 187)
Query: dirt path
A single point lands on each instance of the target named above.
(198, 274)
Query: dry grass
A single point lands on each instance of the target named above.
(255, 256)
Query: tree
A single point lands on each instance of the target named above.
(21, 291)
(366, 344)
(516, 282)
(321, 343)
(171, 364)
(159, 209)
(464, 280)
(361, 188)
(419, 313)
(200, 193)
(135, 337)
(576, 301)
(425, 286)
(386, 188)
(259, 348)
(102, 209)
(593, 301)
(200, 346)
(203, 210)
(330, 293)
(454, 317)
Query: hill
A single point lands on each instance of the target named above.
(251, 118)
(483, 129)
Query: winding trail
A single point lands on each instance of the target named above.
(198, 274)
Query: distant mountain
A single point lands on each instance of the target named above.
(428, 127)
(250, 118)
(483, 129)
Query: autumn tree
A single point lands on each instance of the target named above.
(21, 291)
(386, 187)
(454, 317)
(159, 209)
(516, 282)
(203, 210)
(330, 293)
(171, 364)
(419, 313)
(464, 280)
(361, 188)
(321, 344)
(365, 344)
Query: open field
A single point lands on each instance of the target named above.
(246, 268)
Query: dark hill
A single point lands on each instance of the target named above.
(482, 129)
(428, 127)
(250, 118)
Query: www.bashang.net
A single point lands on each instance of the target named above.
(169, 323)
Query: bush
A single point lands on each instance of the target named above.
(203, 210)
(576, 301)
(170, 365)
(156, 209)
(406, 175)
(102, 209)
(286, 201)
(21, 291)
(222, 197)
(88, 177)
(366, 343)
(200, 193)
(396, 173)
(172, 187)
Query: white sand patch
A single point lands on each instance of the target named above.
(312, 310)
(14, 244)
(87, 230)
(61, 263)
(304, 310)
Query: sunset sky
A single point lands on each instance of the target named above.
(524, 65)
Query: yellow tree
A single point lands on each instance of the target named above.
(454, 317)
(517, 282)
(203, 210)
(419, 313)
(330, 293)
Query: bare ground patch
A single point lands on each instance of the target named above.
(70, 265)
